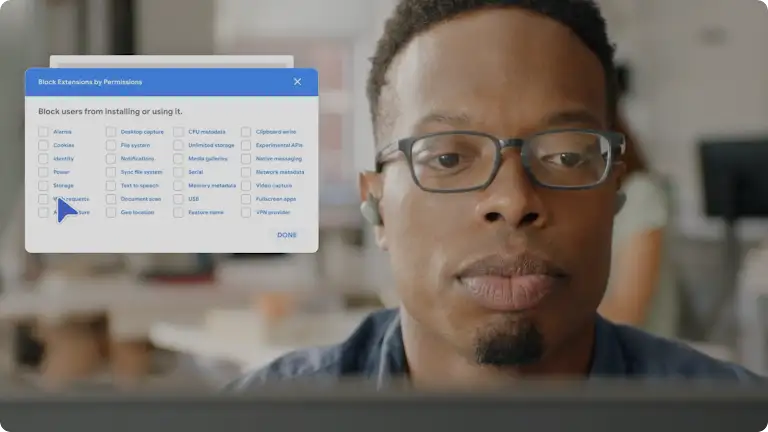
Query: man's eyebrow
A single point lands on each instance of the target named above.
(445, 118)
(570, 117)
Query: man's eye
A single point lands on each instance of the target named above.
(446, 161)
(568, 160)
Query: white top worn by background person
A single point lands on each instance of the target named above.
(752, 315)
(645, 216)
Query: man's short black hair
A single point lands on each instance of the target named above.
(412, 17)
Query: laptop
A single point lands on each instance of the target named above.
(535, 407)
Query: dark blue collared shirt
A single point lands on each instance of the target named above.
(375, 351)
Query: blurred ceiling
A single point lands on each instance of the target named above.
(288, 18)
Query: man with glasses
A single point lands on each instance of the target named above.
(496, 184)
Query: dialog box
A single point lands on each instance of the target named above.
(171, 160)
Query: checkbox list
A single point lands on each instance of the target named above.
(43, 146)
(245, 171)
(110, 173)
(178, 158)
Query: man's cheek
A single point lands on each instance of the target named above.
(580, 238)
(414, 229)
(587, 236)
(588, 222)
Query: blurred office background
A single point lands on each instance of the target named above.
(697, 70)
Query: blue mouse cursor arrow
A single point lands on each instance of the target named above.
(63, 209)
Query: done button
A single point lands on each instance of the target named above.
(287, 235)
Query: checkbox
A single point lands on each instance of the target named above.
(245, 172)
(42, 172)
(111, 212)
(111, 145)
(178, 186)
(111, 199)
(245, 132)
(245, 145)
(246, 185)
(42, 131)
(111, 172)
(178, 132)
(42, 212)
(178, 172)
(178, 212)
(245, 159)
(111, 186)
(245, 199)
(245, 212)
(42, 159)
(111, 158)
(43, 145)
(178, 145)
(178, 199)
(178, 158)
(42, 199)
(111, 131)
(42, 186)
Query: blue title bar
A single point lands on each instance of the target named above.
(171, 82)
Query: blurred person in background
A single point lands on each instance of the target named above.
(496, 185)
(641, 289)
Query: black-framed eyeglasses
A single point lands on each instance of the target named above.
(464, 161)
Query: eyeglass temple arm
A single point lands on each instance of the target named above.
(620, 145)
(383, 155)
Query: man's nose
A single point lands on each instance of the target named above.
(512, 198)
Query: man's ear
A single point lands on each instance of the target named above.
(370, 204)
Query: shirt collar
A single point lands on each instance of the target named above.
(607, 358)
(392, 362)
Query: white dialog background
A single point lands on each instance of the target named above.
(162, 232)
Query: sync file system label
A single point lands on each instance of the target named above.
(171, 161)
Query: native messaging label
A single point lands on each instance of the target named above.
(171, 160)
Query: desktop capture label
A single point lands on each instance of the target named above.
(171, 160)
